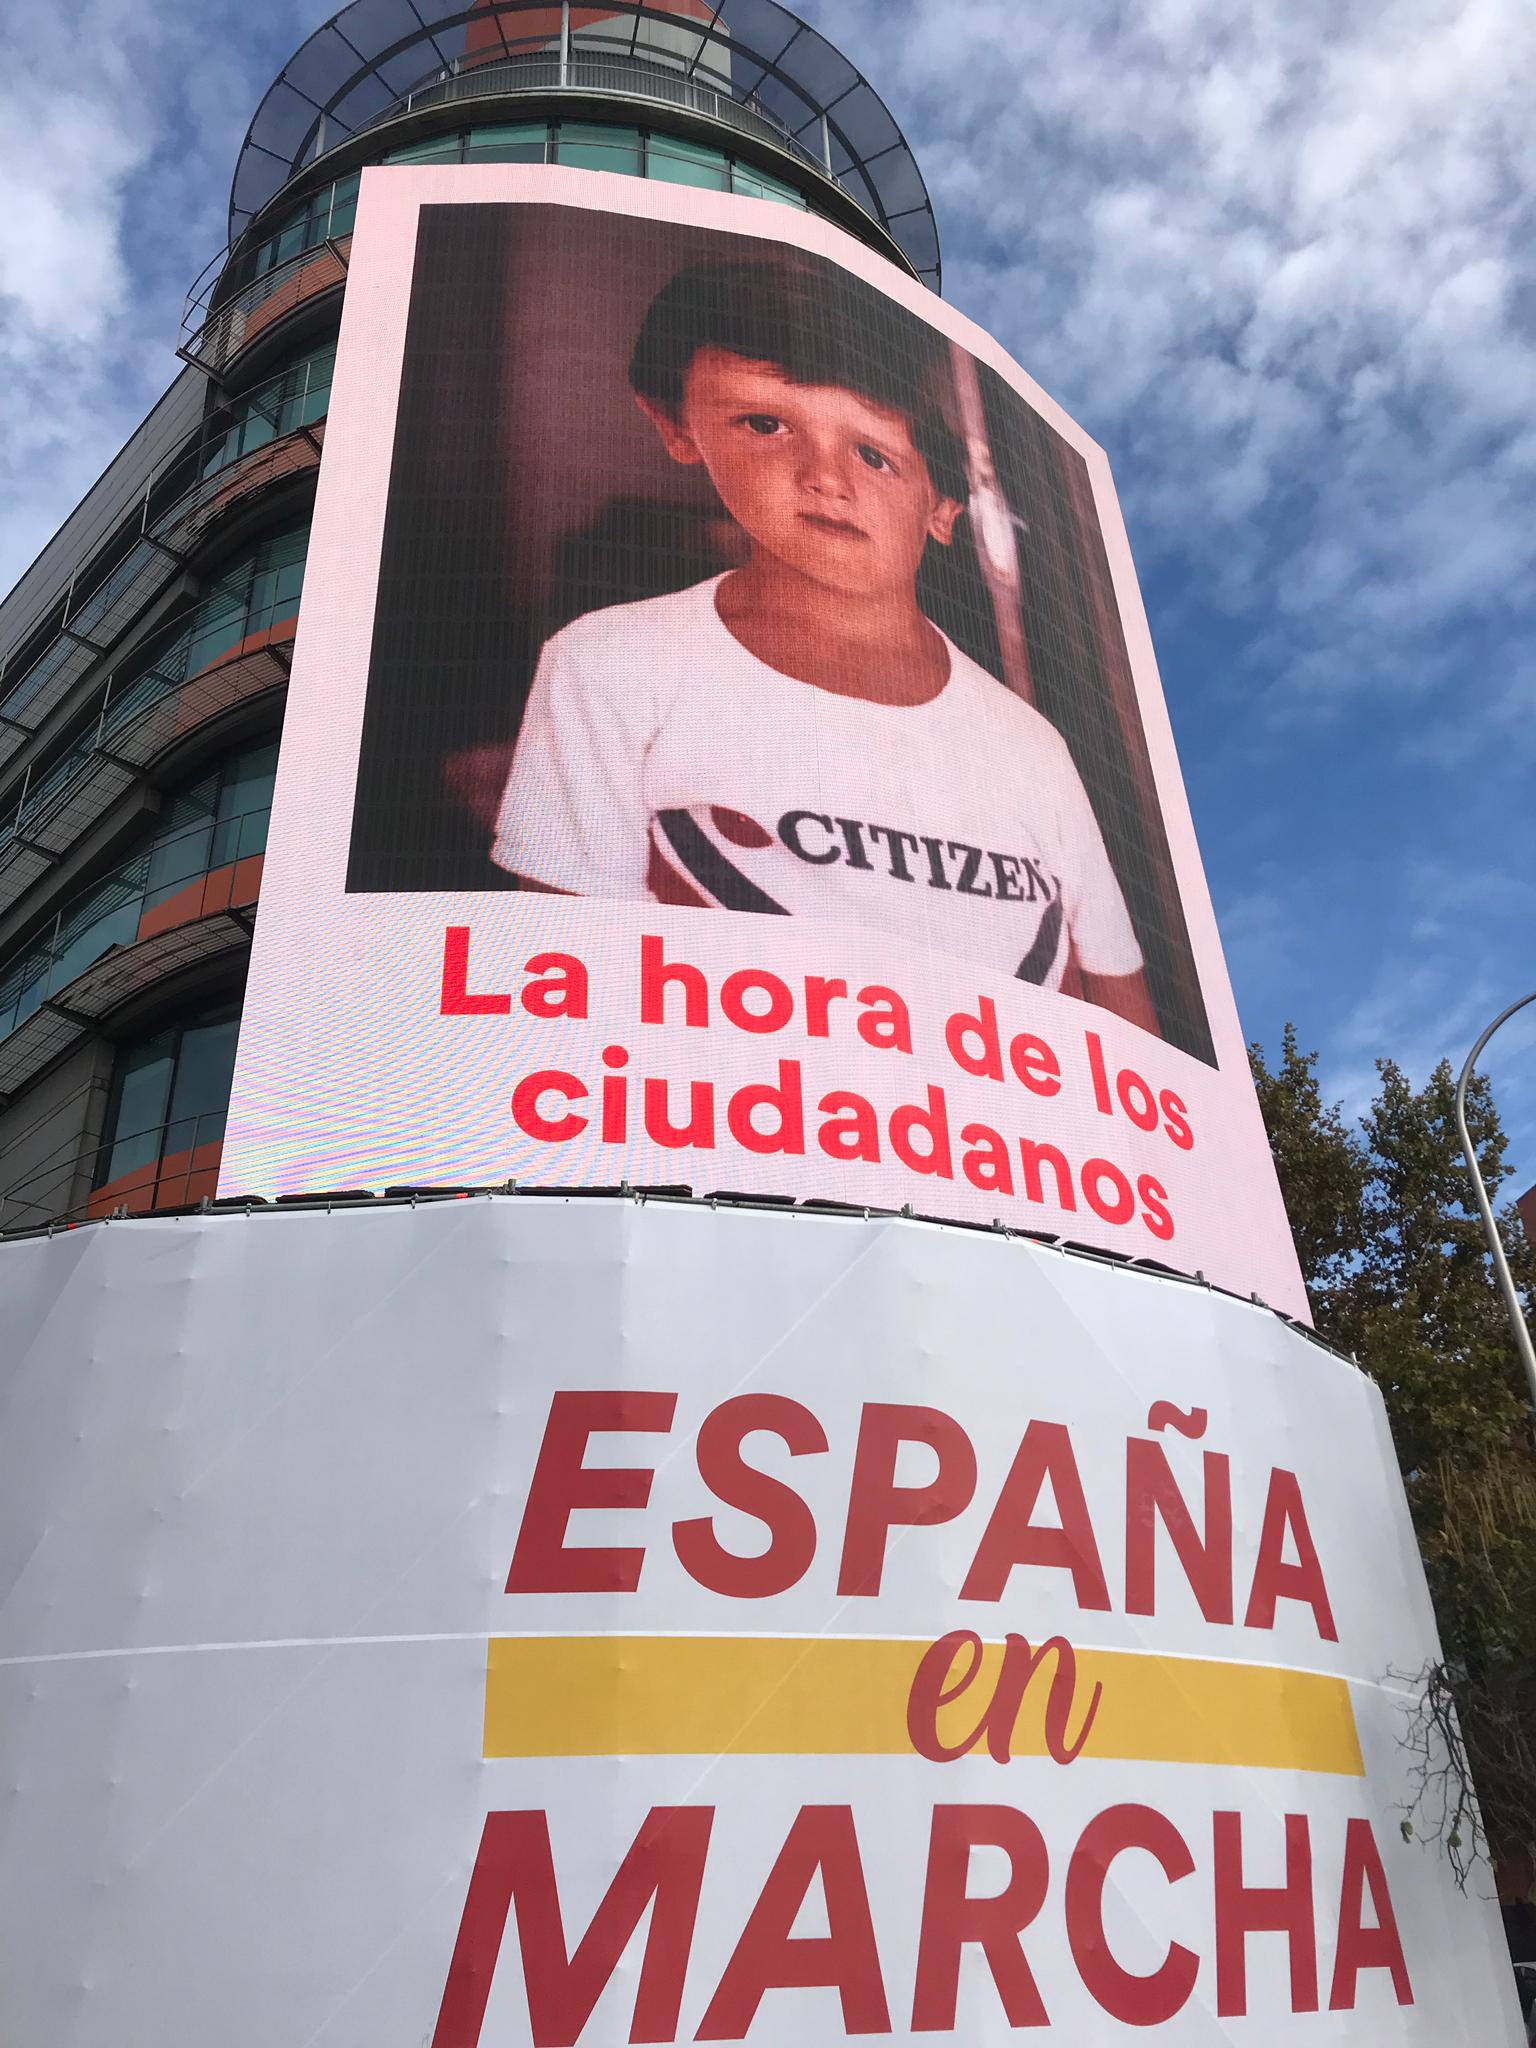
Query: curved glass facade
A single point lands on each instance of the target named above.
(207, 826)
(325, 216)
(165, 1116)
(296, 397)
(601, 146)
(329, 214)
(754, 67)
(254, 594)
(256, 591)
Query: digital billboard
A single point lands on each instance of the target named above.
(724, 749)
(517, 1623)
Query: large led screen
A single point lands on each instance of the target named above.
(724, 749)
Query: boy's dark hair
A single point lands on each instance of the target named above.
(819, 326)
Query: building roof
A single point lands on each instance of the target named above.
(376, 56)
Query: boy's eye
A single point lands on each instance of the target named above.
(762, 422)
(871, 457)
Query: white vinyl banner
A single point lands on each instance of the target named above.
(570, 1619)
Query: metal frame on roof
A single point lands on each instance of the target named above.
(365, 63)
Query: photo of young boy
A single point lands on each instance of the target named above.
(690, 594)
(796, 737)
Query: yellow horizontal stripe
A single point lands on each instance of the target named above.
(820, 1696)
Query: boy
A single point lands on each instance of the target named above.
(796, 737)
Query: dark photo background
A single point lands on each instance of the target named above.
(526, 489)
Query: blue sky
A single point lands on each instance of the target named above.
(1272, 253)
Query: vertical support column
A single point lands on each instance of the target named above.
(826, 143)
(565, 42)
(21, 800)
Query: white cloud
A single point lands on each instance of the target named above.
(1436, 984)
(118, 132)
(1276, 258)
(1271, 256)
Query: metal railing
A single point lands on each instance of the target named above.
(213, 334)
(164, 1166)
(216, 325)
(175, 515)
(614, 76)
(106, 916)
(124, 737)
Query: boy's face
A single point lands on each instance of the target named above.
(825, 481)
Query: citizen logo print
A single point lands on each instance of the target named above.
(695, 861)
(691, 861)
(915, 857)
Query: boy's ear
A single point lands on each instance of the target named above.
(946, 517)
(675, 438)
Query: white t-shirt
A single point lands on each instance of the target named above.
(659, 760)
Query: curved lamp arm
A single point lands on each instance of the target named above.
(1524, 1349)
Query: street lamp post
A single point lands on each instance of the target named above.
(1523, 1346)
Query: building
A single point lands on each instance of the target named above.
(590, 517)
(144, 655)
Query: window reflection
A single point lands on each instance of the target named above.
(170, 1095)
(603, 146)
(325, 216)
(296, 398)
(209, 824)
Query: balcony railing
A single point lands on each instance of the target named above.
(170, 535)
(758, 56)
(173, 1164)
(213, 337)
(217, 324)
(612, 75)
(139, 719)
(177, 879)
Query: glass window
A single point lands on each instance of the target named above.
(325, 216)
(213, 822)
(343, 206)
(295, 398)
(180, 850)
(244, 805)
(278, 579)
(755, 184)
(170, 1095)
(209, 824)
(141, 1094)
(108, 917)
(686, 163)
(259, 589)
(592, 146)
(518, 142)
(290, 239)
(217, 625)
(438, 149)
(23, 990)
(205, 1069)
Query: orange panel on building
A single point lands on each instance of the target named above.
(226, 888)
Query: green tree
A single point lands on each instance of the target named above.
(1397, 1269)
(1323, 1173)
